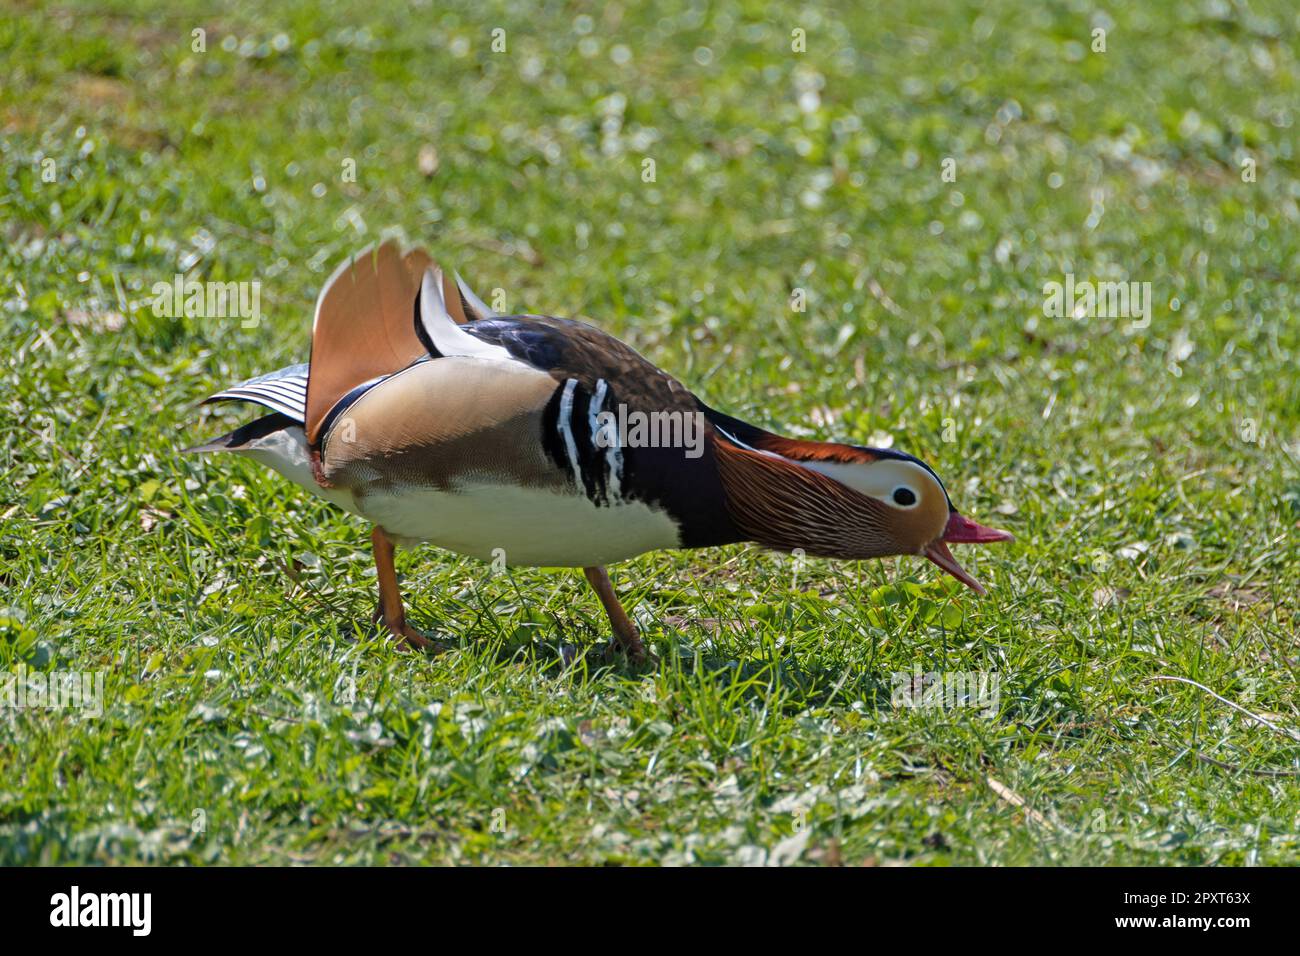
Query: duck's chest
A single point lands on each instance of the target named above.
(520, 526)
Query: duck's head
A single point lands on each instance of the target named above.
(917, 516)
(845, 501)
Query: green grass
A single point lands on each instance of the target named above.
(1150, 475)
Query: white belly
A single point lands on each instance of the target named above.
(520, 526)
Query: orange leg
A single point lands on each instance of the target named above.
(390, 609)
(624, 630)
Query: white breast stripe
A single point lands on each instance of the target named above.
(593, 412)
(607, 436)
(564, 419)
(614, 457)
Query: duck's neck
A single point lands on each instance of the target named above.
(781, 504)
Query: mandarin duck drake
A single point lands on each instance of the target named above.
(546, 442)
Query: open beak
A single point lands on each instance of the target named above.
(962, 530)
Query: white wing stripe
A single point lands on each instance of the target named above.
(448, 337)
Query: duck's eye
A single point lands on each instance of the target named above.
(904, 496)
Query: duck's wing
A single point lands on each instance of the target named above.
(363, 326)
(567, 349)
(412, 425)
(283, 391)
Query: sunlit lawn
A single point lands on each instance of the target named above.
(682, 177)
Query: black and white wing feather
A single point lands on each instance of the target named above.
(283, 391)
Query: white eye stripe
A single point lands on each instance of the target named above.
(879, 479)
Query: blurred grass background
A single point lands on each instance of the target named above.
(1149, 473)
